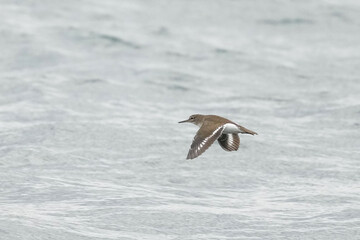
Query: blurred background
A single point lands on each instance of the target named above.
(91, 93)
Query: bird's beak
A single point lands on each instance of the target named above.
(184, 121)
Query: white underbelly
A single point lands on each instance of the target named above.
(231, 128)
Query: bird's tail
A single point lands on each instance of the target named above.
(247, 131)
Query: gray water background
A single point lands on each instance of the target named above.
(91, 93)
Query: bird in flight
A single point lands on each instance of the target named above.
(213, 128)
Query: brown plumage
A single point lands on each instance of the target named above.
(213, 128)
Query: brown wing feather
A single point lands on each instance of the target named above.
(229, 142)
(203, 140)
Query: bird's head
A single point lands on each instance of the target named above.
(196, 119)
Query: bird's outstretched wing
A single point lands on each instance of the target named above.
(203, 140)
(229, 142)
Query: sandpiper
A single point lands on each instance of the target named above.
(214, 127)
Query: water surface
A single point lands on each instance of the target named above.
(91, 93)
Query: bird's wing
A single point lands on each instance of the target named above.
(229, 142)
(203, 140)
